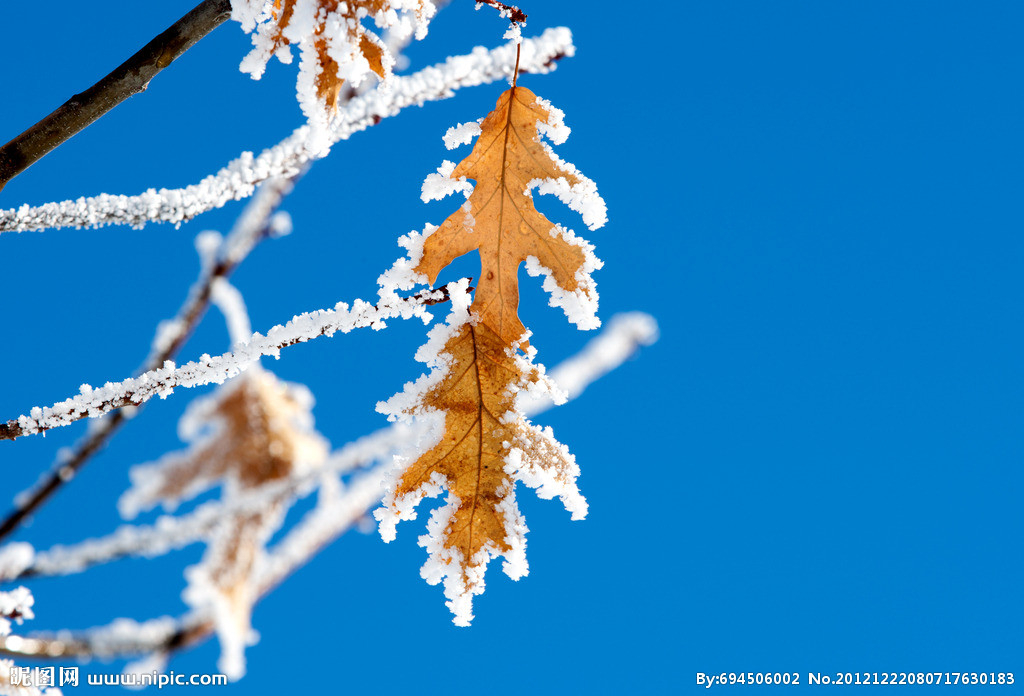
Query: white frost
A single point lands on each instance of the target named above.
(617, 343)
(16, 606)
(401, 276)
(93, 402)
(231, 304)
(579, 305)
(440, 184)
(462, 134)
(15, 557)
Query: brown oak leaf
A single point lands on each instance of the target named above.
(500, 220)
(485, 446)
(481, 444)
(253, 431)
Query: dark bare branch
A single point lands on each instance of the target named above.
(129, 78)
(189, 631)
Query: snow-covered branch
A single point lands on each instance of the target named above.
(92, 403)
(619, 341)
(333, 515)
(15, 606)
(238, 179)
(171, 532)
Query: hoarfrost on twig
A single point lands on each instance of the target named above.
(239, 178)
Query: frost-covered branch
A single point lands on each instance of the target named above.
(618, 342)
(338, 508)
(171, 532)
(15, 606)
(511, 12)
(128, 79)
(93, 403)
(238, 179)
(257, 222)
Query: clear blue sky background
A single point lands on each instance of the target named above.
(817, 468)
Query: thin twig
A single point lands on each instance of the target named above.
(93, 403)
(129, 78)
(187, 318)
(510, 12)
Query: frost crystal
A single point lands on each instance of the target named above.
(16, 606)
(15, 558)
(440, 184)
(462, 134)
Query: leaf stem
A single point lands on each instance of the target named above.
(515, 73)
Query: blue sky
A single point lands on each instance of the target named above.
(815, 469)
